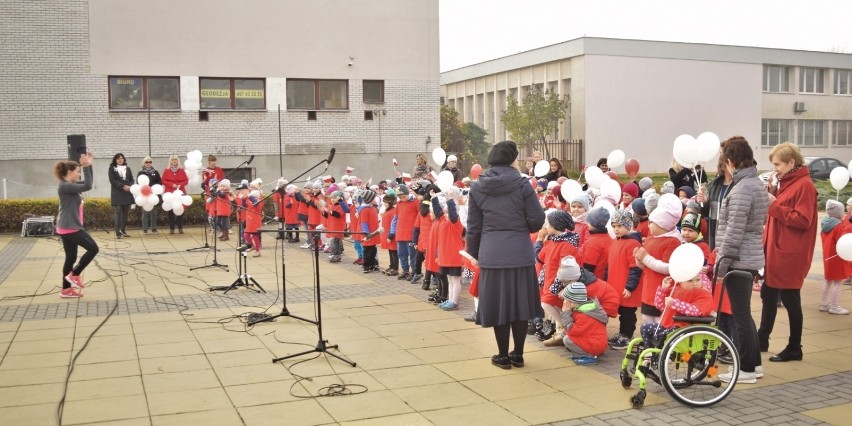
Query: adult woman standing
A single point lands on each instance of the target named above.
(740, 235)
(120, 179)
(69, 222)
(149, 218)
(556, 170)
(422, 169)
(502, 212)
(789, 244)
(175, 178)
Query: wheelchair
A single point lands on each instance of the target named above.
(686, 362)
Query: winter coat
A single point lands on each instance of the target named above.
(118, 196)
(406, 216)
(602, 291)
(368, 218)
(622, 271)
(710, 209)
(450, 235)
(153, 176)
(661, 249)
(586, 327)
(740, 227)
(547, 263)
(694, 303)
(834, 267)
(502, 212)
(170, 179)
(388, 241)
(791, 231)
(595, 252)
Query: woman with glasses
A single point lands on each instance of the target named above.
(149, 218)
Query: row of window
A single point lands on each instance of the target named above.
(807, 132)
(776, 79)
(236, 93)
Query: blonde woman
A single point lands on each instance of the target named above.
(175, 178)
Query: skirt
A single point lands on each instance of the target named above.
(508, 295)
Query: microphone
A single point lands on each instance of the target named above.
(330, 156)
(250, 160)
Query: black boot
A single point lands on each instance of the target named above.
(790, 353)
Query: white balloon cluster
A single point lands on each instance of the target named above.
(176, 201)
(192, 166)
(689, 151)
(144, 195)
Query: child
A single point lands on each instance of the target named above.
(585, 325)
(690, 232)
(596, 288)
(315, 199)
(336, 212)
(655, 253)
(222, 208)
(302, 212)
(252, 207)
(624, 276)
(595, 251)
(292, 200)
(279, 199)
(629, 192)
(450, 242)
(549, 253)
(368, 217)
(422, 232)
(241, 204)
(690, 298)
(685, 193)
(578, 207)
(388, 241)
(836, 269)
(640, 217)
(406, 215)
(355, 226)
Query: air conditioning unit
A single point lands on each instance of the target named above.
(799, 107)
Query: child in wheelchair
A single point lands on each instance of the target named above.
(690, 298)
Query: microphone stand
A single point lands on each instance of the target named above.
(243, 278)
(206, 245)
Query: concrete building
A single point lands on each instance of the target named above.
(171, 77)
(638, 96)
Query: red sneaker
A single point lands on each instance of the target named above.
(74, 280)
(69, 293)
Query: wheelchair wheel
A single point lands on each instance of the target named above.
(626, 379)
(689, 370)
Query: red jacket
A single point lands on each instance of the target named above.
(253, 214)
(387, 219)
(335, 224)
(291, 210)
(169, 179)
(790, 232)
(314, 214)
(618, 266)
(661, 248)
(548, 260)
(595, 251)
(208, 174)
(280, 205)
(431, 255)
(407, 212)
(582, 230)
(450, 241)
(355, 223)
(643, 228)
(369, 216)
(834, 267)
(222, 204)
(693, 303)
(588, 332)
(424, 235)
(606, 295)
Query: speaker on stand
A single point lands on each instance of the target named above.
(76, 147)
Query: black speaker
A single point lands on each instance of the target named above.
(76, 147)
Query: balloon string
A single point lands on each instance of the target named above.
(665, 308)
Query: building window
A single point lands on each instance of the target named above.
(842, 133)
(843, 82)
(144, 92)
(812, 80)
(774, 132)
(812, 132)
(374, 91)
(317, 94)
(776, 78)
(233, 93)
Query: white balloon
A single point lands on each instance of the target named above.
(152, 200)
(541, 168)
(849, 167)
(708, 146)
(167, 206)
(140, 200)
(844, 247)
(178, 192)
(685, 151)
(445, 180)
(570, 189)
(606, 204)
(157, 189)
(611, 189)
(186, 200)
(135, 189)
(839, 178)
(195, 180)
(143, 180)
(187, 164)
(439, 156)
(178, 209)
(148, 207)
(686, 262)
(615, 159)
(167, 197)
(594, 176)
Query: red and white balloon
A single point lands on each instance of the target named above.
(144, 195)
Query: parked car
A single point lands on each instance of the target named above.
(820, 168)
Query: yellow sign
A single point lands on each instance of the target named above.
(216, 93)
(249, 94)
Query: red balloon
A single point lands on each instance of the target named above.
(475, 171)
(612, 174)
(556, 191)
(145, 190)
(561, 180)
(632, 167)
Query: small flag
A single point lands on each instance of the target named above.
(395, 163)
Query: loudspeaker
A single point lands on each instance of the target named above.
(76, 147)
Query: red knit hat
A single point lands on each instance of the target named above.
(631, 188)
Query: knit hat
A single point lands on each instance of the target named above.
(452, 158)
(569, 269)
(638, 207)
(598, 218)
(690, 192)
(560, 220)
(645, 183)
(834, 209)
(281, 182)
(630, 188)
(666, 215)
(623, 217)
(582, 199)
(693, 206)
(503, 154)
(692, 221)
(651, 202)
(257, 182)
(390, 199)
(667, 188)
(243, 184)
(575, 292)
(291, 189)
(542, 184)
(849, 201)
(402, 190)
(368, 196)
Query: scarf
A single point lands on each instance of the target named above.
(568, 236)
(421, 171)
(174, 169)
(122, 171)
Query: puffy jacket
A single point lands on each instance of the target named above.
(502, 212)
(740, 226)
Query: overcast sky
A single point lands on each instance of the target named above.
(474, 31)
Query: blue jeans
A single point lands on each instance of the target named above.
(407, 255)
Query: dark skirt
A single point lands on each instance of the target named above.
(451, 271)
(508, 295)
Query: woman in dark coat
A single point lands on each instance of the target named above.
(120, 180)
(502, 212)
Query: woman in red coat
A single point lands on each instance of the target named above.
(174, 178)
(791, 230)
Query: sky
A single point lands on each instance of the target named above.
(474, 31)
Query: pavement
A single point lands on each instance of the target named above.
(149, 344)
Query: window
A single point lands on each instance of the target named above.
(817, 166)
(812, 80)
(842, 133)
(774, 132)
(317, 94)
(144, 92)
(374, 91)
(233, 93)
(776, 78)
(812, 132)
(843, 82)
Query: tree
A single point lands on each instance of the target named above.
(466, 140)
(535, 119)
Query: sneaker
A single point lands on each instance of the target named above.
(371, 269)
(359, 261)
(618, 341)
(838, 310)
(548, 328)
(391, 272)
(404, 276)
(154, 231)
(415, 278)
(533, 325)
(824, 308)
(74, 280)
(471, 317)
(305, 246)
(584, 360)
(758, 372)
(742, 378)
(69, 293)
(124, 234)
(449, 305)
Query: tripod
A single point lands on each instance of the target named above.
(243, 279)
(206, 245)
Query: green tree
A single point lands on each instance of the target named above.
(535, 119)
(465, 140)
